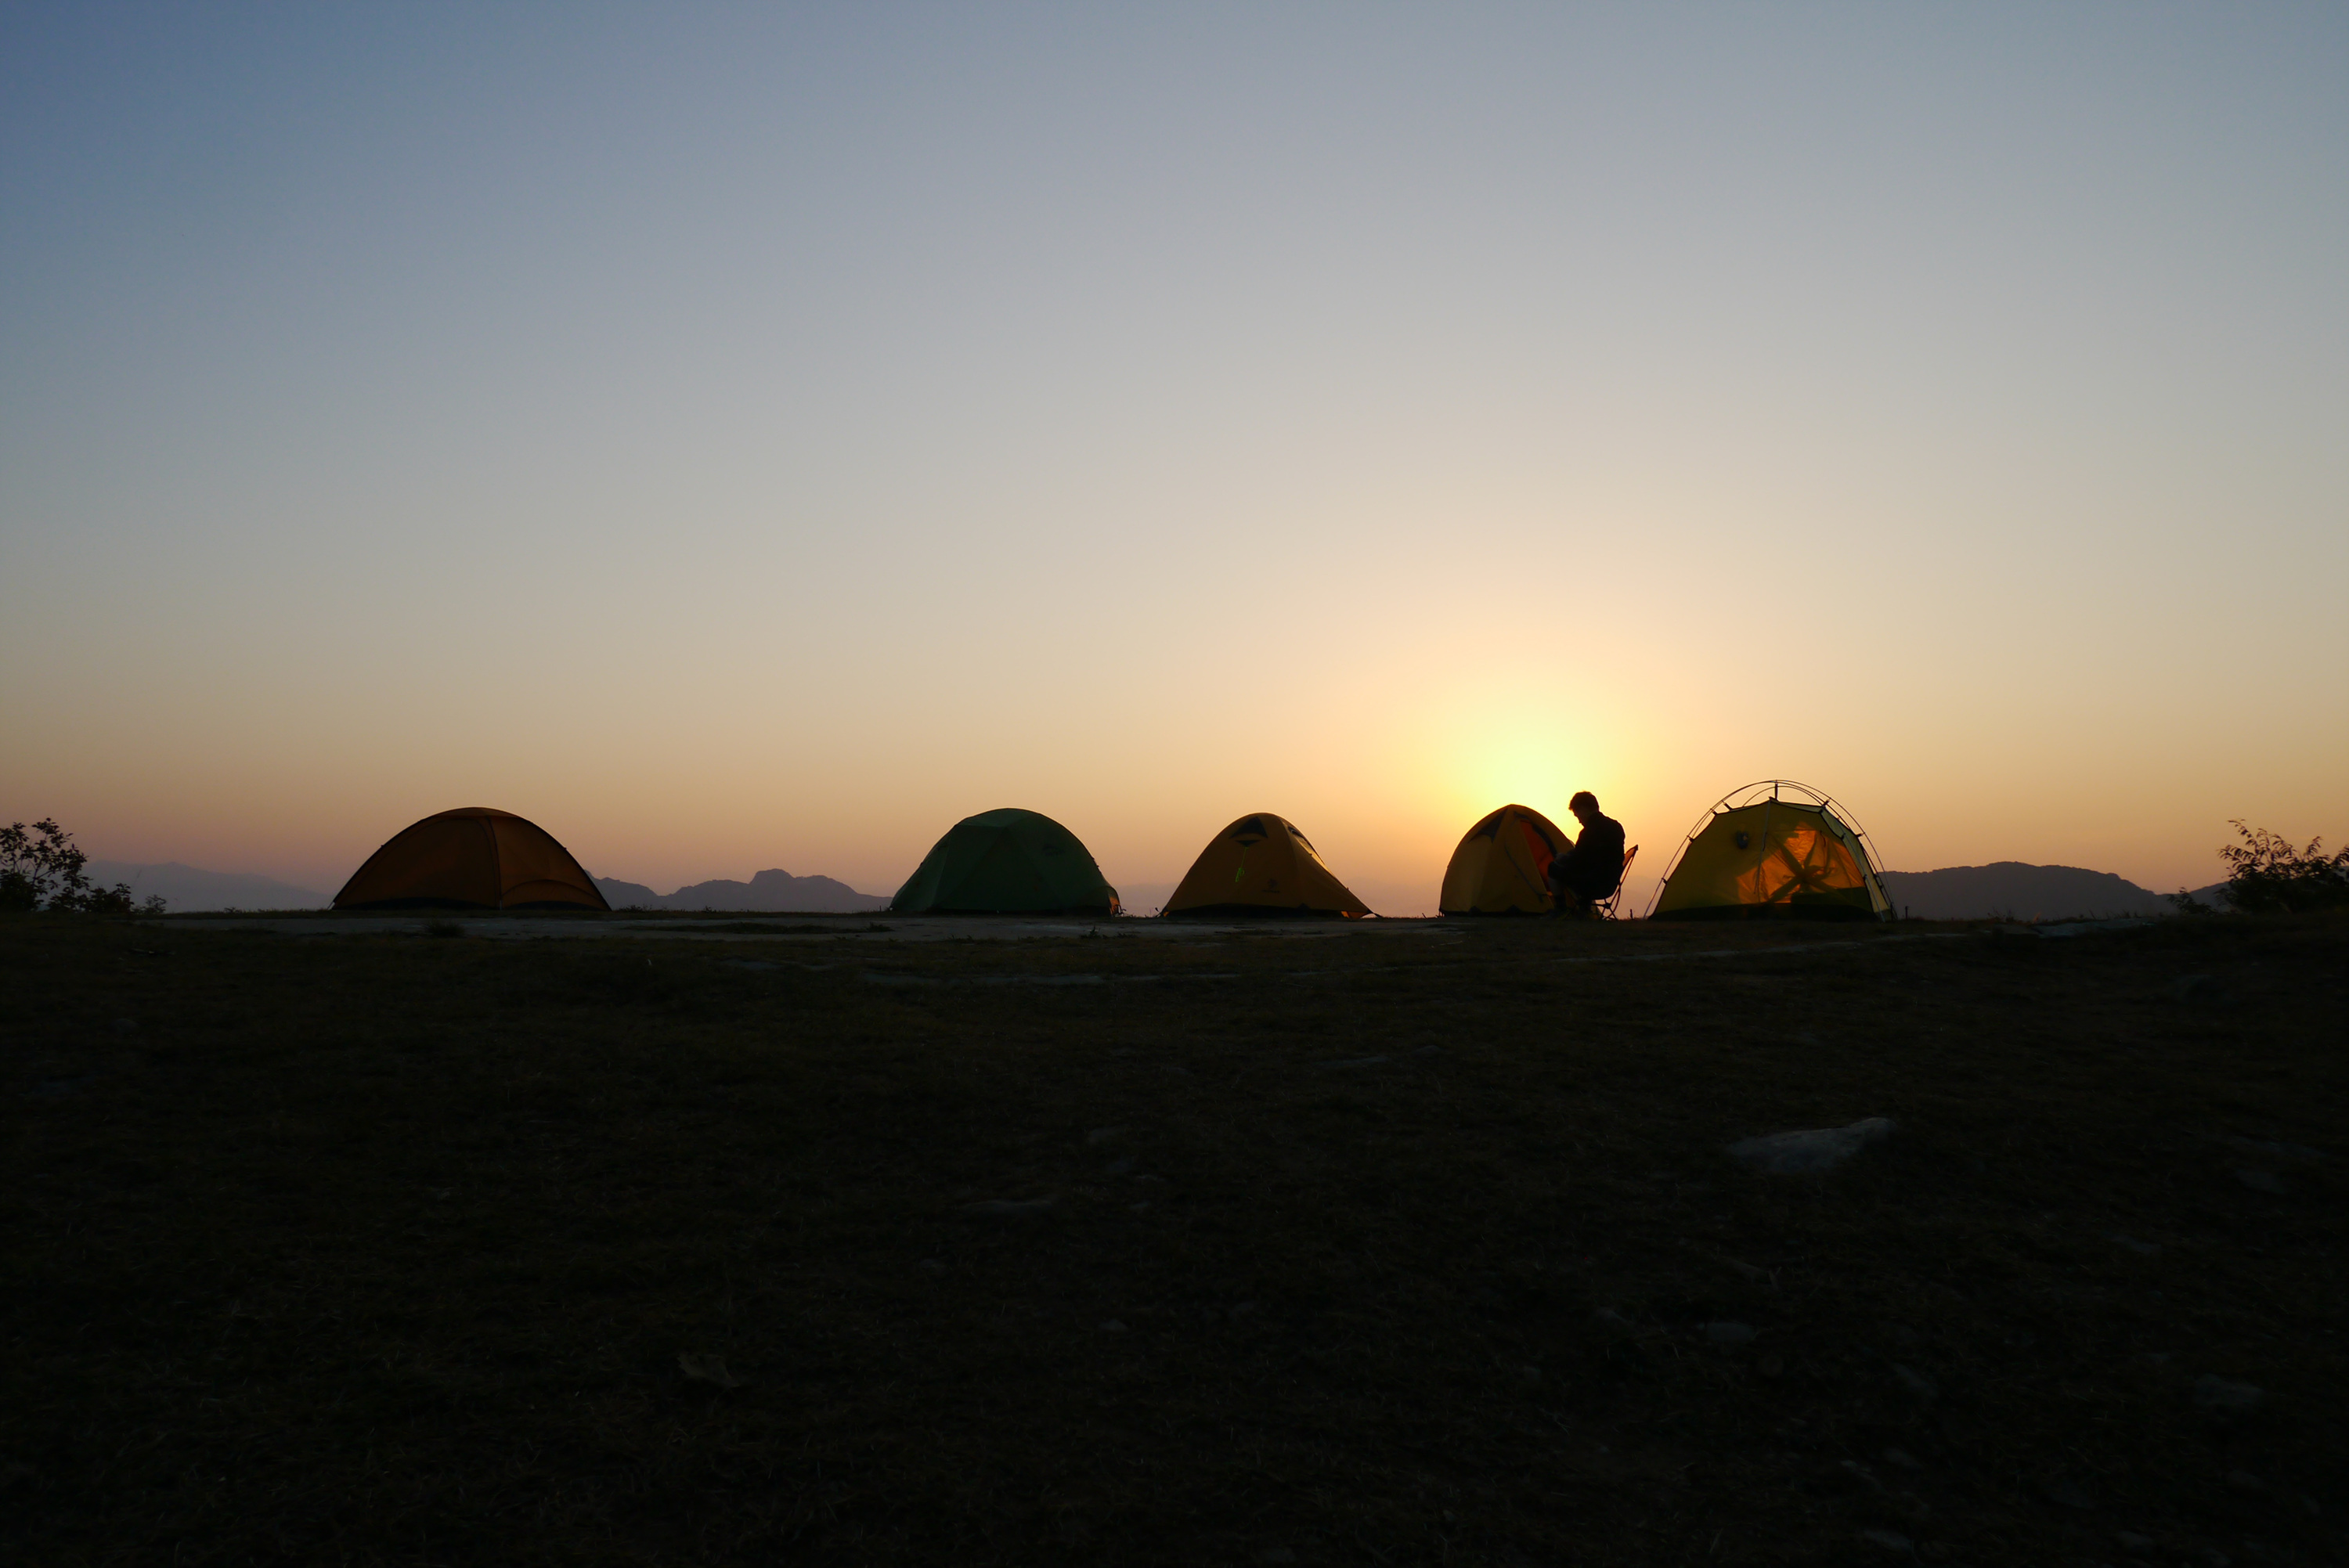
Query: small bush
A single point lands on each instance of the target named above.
(40, 868)
(2267, 875)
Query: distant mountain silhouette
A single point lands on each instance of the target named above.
(628, 894)
(776, 892)
(185, 889)
(2010, 890)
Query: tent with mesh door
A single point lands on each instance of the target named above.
(1773, 850)
(1502, 867)
(1262, 864)
(471, 858)
(1007, 862)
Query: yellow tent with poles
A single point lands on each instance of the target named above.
(1775, 850)
(1502, 867)
(471, 858)
(1262, 864)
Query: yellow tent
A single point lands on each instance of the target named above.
(1502, 867)
(1776, 848)
(1262, 866)
(471, 858)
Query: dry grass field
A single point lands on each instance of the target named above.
(1245, 1249)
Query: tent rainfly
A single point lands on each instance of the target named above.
(1007, 862)
(1775, 850)
(1262, 866)
(1502, 867)
(471, 858)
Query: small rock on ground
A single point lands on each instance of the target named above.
(706, 1369)
(2202, 991)
(2227, 1395)
(1916, 1382)
(2275, 1150)
(1809, 1153)
(1008, 1209)
(2068, 1493)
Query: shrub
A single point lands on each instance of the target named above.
(40, 868)
(2267, 875)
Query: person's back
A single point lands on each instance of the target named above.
(1589, 870)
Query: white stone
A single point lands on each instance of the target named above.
(1811, 1153)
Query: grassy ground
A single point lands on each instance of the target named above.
(1359, 1250)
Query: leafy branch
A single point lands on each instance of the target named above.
(2266, 875)
(41, 868)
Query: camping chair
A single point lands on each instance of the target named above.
(1604, 908)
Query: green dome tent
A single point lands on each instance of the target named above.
(1007, 862)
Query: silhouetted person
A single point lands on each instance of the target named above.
(1589, 870)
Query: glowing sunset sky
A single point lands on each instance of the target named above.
(758, 437)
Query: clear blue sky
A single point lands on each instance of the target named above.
(756, 437)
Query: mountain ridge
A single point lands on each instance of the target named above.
(774, 891)
(2016, 890)
(186, 889)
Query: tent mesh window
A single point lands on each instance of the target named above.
(1776, 847)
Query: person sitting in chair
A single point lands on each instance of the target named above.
(1589, 870)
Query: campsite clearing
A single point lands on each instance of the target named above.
(1403, 1242)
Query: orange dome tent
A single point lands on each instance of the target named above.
(1502, 867)
(471, 858)
(1262, 866)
